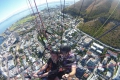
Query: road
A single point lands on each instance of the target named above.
(96, 40)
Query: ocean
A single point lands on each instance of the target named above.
(1, 40)
(11, 20)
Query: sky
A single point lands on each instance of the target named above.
(11, 7)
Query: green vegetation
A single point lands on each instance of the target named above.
(112, 38)
(37, 79)
(20, 50)
(95, 19)
(71, 11)
(105, 50)
(21, 61)
(90, 27)
(41, 39)
(11, 49)
(118, 58)
(101, 8)
(22, 21)
(2, 77)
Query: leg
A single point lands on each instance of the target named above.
(56, 78)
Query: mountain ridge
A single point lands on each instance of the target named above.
(104, 15)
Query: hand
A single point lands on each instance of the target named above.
(65, 76)
(35, 75)
(40, 76)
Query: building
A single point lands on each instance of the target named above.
(91, 64)
(111, 66)
(100, 67)
(97, 48)
(87, 41)
(109, 74)
(10, 57)
(95, 77)
(111, 53)
(104, 62)
(92, 47)
(117, 75)
(86, 75)
(79, 72)
(11, 64)
(5, 45)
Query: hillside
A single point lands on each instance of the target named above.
(100, 8)
(77, 7)
(103, 8)
(93, 20)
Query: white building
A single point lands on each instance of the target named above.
(98, 46)
(109, 74)
(117, 75)
(100, 67)
(92, 47)
(87, 40)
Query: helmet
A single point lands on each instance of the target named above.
(65, 48)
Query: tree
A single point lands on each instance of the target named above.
(2, 77)
(20, 50)
(11, 49)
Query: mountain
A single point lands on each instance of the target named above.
(103, 8)
(99, 17)
(78, 6)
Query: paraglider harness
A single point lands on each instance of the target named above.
(61, 66)
(52, 73)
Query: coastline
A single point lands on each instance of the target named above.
(17, 16)
(7, 23)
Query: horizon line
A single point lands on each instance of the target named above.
(24, 9)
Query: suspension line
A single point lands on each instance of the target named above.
(38, 14)
(106, 20)
(48, 8)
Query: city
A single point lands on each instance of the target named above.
(24, 49)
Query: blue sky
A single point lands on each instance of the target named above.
(10, 7)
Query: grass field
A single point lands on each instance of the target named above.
(22, 21)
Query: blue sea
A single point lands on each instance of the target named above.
(11, 20)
